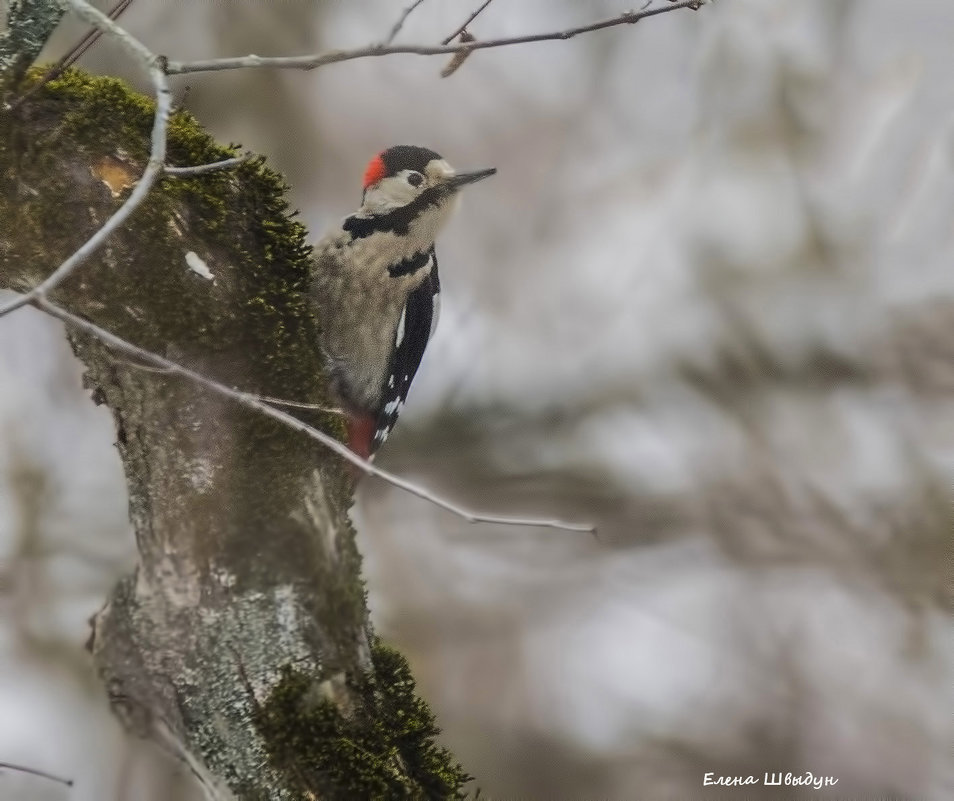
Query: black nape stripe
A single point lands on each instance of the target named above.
(397, 221)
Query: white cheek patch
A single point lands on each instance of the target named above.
(390, 193)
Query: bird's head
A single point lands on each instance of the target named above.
(415, 186)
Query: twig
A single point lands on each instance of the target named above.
(91, 38)
(292, 404)
(96, 17)
(154, 168)
(400, 23)
(469, 20)
(461, 56)
(334, 56)
(252, 402)
(34, 772)
(198, 169)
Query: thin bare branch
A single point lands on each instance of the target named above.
(96, 17)
(467, 22)
(334, 56)
(76, 53)
(198, 169)
(291, 404)
(401, 20)
(34, 772)
(253, 402)
(154, 167)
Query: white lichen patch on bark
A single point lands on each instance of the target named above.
(179, 580)
(320, 514)
(206, 668)
(224, 577)
(335, 689)
(198, 266)
(201, 474)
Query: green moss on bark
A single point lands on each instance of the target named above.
(383, 750)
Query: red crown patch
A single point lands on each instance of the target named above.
(375, 171)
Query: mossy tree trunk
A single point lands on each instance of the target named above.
(242, 641)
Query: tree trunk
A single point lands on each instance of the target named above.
(242, 641)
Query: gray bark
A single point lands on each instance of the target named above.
(29, 24)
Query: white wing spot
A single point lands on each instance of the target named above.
(435, 313)
(391, 381)
(399, 338)
(393, 407)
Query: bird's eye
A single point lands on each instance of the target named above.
(415, 179)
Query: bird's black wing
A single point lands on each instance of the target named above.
(410, 340)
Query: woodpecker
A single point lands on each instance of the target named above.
(376, 289)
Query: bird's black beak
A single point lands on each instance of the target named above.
(463, 178)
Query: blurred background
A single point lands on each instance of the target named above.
(707, 304)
